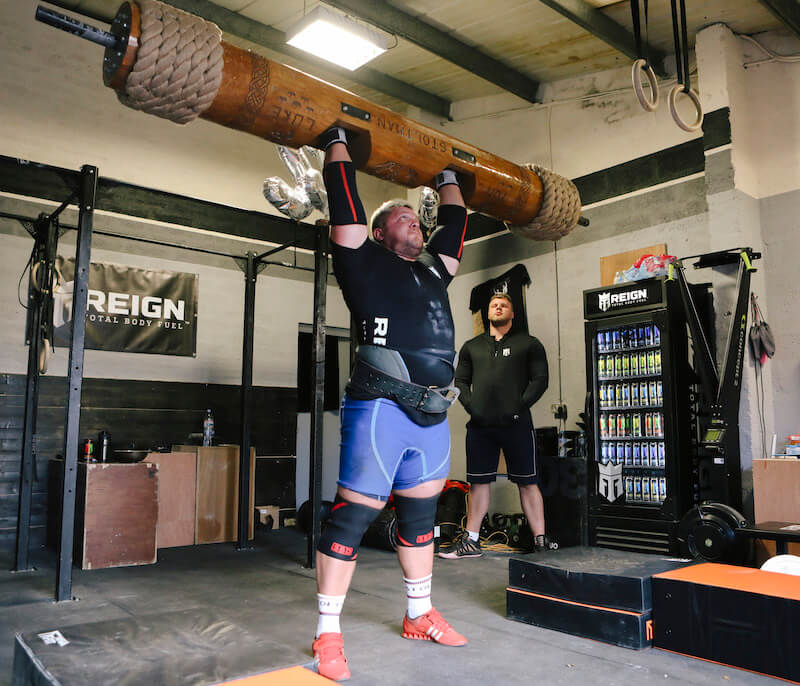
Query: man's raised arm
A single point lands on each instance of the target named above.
(348, 219)
(448, 240)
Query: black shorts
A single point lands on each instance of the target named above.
(519, 447)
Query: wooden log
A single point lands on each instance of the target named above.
(270, 100)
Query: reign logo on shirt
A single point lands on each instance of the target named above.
(506, 352)
(381, 329)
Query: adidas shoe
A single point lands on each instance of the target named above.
(463, 546)
(432, 627)
(329, 656)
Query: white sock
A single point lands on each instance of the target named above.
(473, 535)
(419, 595)
(330, 607)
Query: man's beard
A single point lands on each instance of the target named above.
(499, 320)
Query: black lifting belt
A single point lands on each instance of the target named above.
(429, 399)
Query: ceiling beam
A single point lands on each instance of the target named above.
(393, 20)
(606, 29)
(273, 39)
(788, 11)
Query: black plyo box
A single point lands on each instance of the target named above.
(618, 627)
(590, 592)
(741, 627)
(596, 576)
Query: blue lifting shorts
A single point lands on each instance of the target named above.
(383, 450)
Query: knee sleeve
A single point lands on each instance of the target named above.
(344, 529)
(343, 202)
(415, 518)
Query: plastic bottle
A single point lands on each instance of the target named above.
(208, 429)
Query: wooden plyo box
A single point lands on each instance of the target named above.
(217, 492)
(177, 476)
(116, 514)
(776, 496)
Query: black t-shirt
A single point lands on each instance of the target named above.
(501, 379)
(401, 305)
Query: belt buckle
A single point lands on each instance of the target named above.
(423, 398)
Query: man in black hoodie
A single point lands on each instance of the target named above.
(500, 374)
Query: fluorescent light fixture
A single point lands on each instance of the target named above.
(336, 38)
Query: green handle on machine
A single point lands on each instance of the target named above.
(746, 260)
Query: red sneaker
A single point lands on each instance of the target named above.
(432, 627)
(329, 656)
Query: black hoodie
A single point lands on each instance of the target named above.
(501, 379)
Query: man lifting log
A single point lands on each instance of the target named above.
(395, 436)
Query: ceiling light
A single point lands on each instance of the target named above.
(336, 38)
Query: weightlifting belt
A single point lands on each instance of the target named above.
(368, 378)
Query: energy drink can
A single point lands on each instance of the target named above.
(656, 335)
(616, 340)
(653, 454)
(657, 355)
(643, 399)
(637, 488)
(643, 362)
(634, 364)
(633, 338)
(648, 335)
(621, 425)
(654, 489)
(604, 453)
(662, 488)
(635, 394)
(617, 365)
(651, 392)
(627, 425)
(659, 393)
(603, 425)
(626, 395)
(628, 453)
(648, 424)
(636, 455)
(658, 424)
(626, 364)
(602, 395)
(651, 362)
(601, 366)
(611, 453)
(629, 487)
(640, 336)
(601, 342)
(637, 424)
(645, 489)
(607, 340)
(620, 453)
(618, 395)
(645, 451)
(662, 460)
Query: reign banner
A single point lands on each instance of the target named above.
(130, 310)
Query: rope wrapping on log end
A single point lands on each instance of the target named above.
(560, 210)
(178, 68)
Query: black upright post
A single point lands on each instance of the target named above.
(75, 379)
(250, 277)
(31, 393)
(317, 390)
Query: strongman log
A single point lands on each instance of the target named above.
(175, 65)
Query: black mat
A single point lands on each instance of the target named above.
(197, 646)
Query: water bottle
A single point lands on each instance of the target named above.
(208, 429)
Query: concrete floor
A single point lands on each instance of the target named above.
(241, 613)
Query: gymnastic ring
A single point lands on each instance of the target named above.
(44, 356)
(647, 104)
(695, 98)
